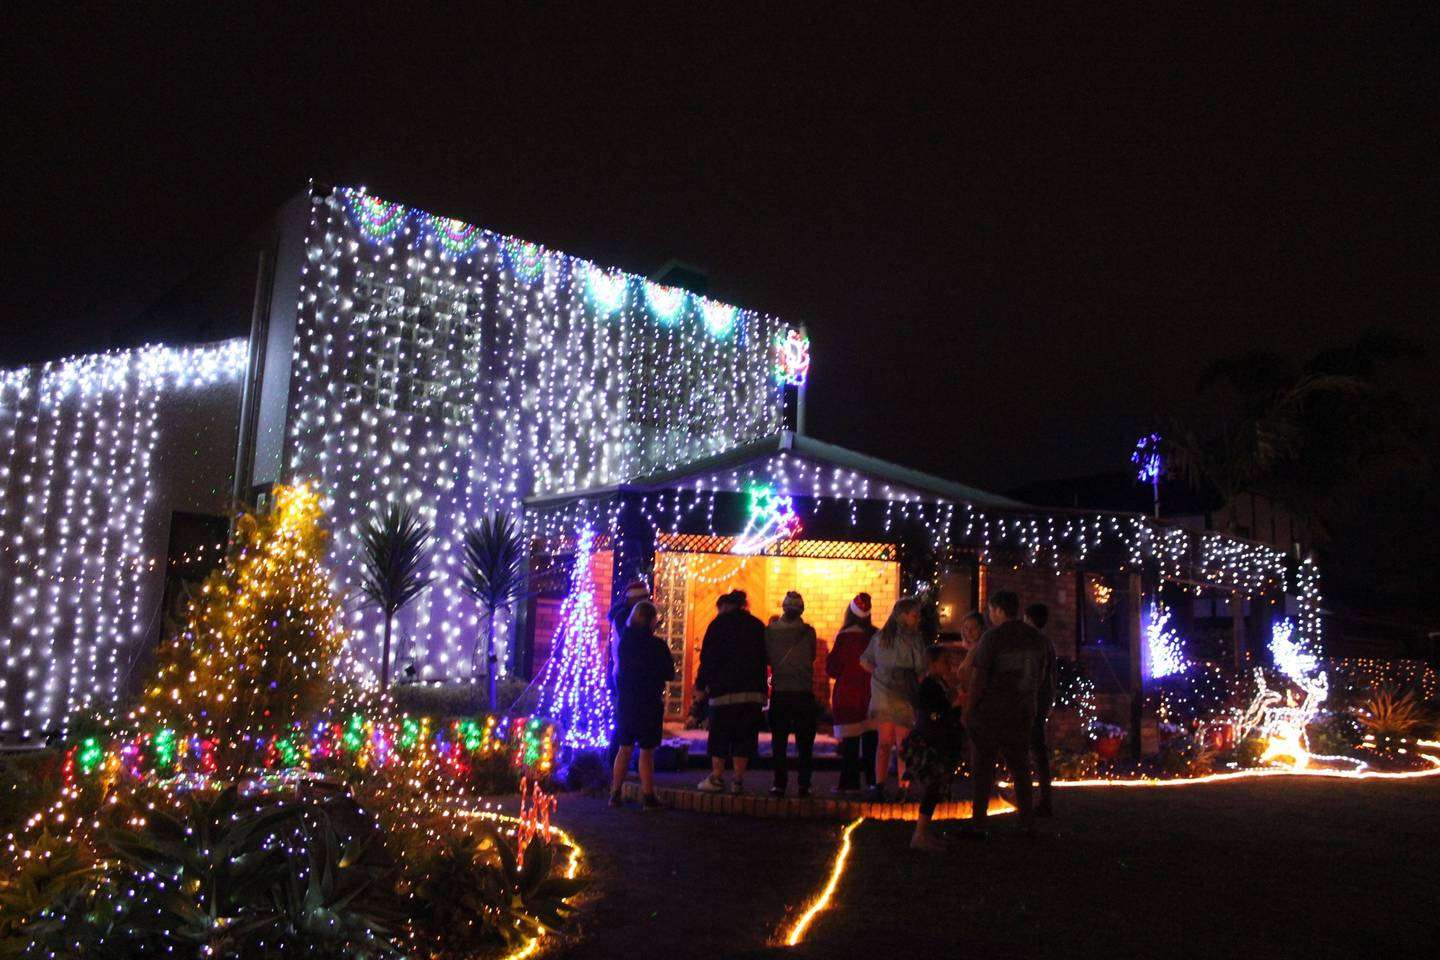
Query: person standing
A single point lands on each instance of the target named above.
(643, 668)
(732, 677)
(1037, 615)
(790, 651)
(933, 749)
(895, 659)
(619, 615)
(850, 700)
(1009, 667)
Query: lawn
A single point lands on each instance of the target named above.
(1276, 867)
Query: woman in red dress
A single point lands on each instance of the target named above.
(850, 700)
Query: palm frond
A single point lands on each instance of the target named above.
(396, 567)
(495, 564)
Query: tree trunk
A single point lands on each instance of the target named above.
(490, 663)
(385, 658)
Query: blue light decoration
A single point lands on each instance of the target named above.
(719, 317)
(1149, 462)
(1166, 657)
(575, 686)
(379, 220)
(772, 518)
(455, 237)
(527, 260)
(666, 303)
(607, 290)
(792, 358)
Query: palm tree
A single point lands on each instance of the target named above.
(1309, 436)
(396, 568)
(494, 573)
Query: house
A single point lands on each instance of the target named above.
(393, 354)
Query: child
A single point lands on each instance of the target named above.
(932, 752)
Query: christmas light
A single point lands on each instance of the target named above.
(792, 358)
(772, 518)
(666, 303)
(1166, 653)
(574, 686)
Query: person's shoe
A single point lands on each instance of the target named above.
(778, 793)
(875, 794)
(737, 788)
(712, 784)
(651, 802)
(615, 799)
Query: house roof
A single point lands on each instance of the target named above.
(790, 444)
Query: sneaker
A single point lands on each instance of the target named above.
(651, 802)
(875, 794)
(737, 788)
(615, 800)
(778, 793)
(971, 832)
(712, 784)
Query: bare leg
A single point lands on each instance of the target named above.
(741, 764)
(621, 764)
(647, 772)
(882, 753)
(899, 733)
(717, 768)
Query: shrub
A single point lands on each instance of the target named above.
(1390, 715)
(1335, 733)
(587, 772)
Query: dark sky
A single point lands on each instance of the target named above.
(1014, 240)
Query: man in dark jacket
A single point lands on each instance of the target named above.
(642, 669)
(1013, 670)
(732, 676)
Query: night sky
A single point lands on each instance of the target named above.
(1014, 240)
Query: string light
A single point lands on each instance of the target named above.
(1166, 654)
(772, 518)
(574, 685)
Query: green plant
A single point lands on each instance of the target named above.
(1249, 752)
(494, 574)
(1391, 715)
(1333, 734)
(395, 569)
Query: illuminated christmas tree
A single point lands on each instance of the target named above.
(575, 686)
(261, 639)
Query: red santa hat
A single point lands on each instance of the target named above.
(636, 590)
(860, 606)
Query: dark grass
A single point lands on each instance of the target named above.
(1275, 868)
(680, 885)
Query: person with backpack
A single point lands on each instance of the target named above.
(790, 652)
(895, 660)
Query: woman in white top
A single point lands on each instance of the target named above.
(895, 660)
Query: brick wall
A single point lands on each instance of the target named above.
(1039, 584)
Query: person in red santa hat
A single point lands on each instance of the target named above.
(850, 700)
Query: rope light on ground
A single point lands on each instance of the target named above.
(797, 932)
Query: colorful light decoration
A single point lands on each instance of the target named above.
(379, 220)
(1166, 653)
(772, 518)
(527, 260)
(1275, 716)
(458, 238)
(575, 685)
(719, 317)
(792, 358)
(666, 303)
(607, 290)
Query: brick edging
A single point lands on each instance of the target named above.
(794, 808)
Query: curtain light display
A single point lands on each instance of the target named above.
(575, 685)
(79, 555)
(462, 371)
